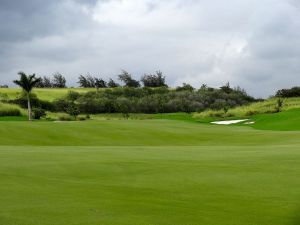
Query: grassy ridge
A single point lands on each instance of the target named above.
(48, 94)
(10, 110)
(267, 106)
(261, 113)
(284, 121)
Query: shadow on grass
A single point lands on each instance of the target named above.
(13, 118)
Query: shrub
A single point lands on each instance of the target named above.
(288, 93)
(251, 113)
(66, 118)
(72, 96)
(60, 105)
(10, 112)
(218, 113)
(38, 113)
(279, 105)
(152, 100)
(123, 106)
(72, 109)
(35, 102)
(229, 115)
(185, 87)
(46, 105)
(154, 80)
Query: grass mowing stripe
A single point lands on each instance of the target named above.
(140, 133)
(149, 185)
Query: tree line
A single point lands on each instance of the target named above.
(288, 93)
(57, 81)
(87, 81)
(130, 99)
(153, 97)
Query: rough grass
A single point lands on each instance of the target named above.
(10, 110)
(48, 94)
(262, 114)
(147, 172)
(264, 107)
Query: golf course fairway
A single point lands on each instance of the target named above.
(147, 172)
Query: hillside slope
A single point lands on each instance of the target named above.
(48, 94)
(263, 114)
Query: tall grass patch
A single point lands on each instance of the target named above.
(9, 110)
(263, 107)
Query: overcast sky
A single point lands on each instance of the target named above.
(251, 43)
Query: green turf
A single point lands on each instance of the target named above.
(13, 118)
(136, 133)
(287, 120)
(147, 172)
(149, 185)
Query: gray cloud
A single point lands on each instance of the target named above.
(247, 43)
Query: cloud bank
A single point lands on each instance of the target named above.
(251, 43)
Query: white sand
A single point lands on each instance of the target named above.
(228, 122)
(251, 122)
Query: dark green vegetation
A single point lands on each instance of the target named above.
(149, 100)
(288, 93)
(154, 97)
(128, 100)
(57, 81)
(147, 172)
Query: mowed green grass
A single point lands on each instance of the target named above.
(286, 120)
(136, 133)
(147, 172)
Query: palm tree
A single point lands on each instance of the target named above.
(27, 83)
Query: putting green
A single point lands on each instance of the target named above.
(154, 172)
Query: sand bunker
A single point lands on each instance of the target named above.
(228, 122)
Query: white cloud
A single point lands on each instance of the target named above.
(251, 43)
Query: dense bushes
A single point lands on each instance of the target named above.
(152, 100)
(10, 112)
(35, 102)
(38, 113)
(154, 80)
(288, 93)
(148, 100)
